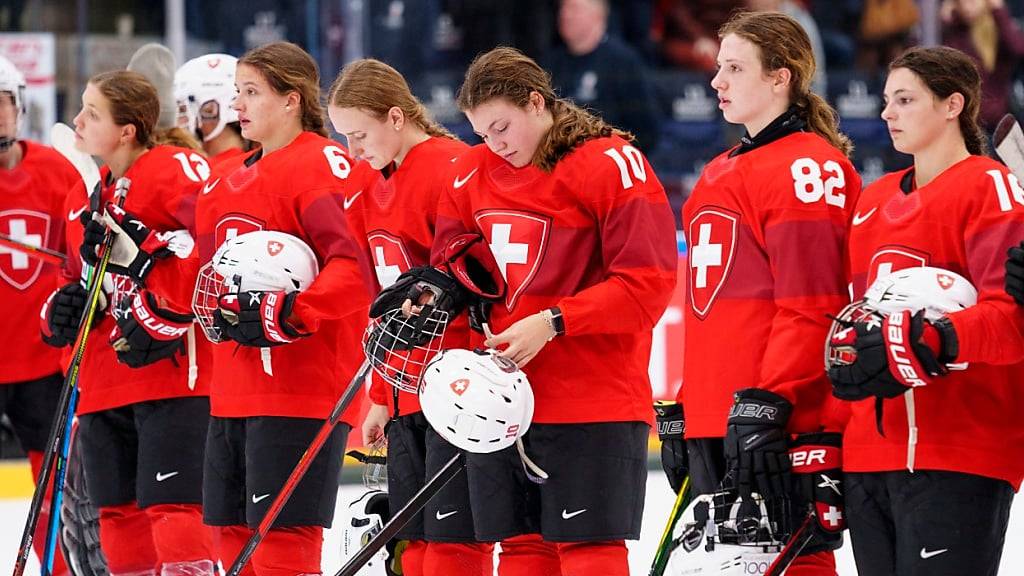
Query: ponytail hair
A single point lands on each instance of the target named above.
(783, 43)
(508, 74)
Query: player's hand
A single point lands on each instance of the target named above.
(756, 443)
(1015, 273)
(671, 429)
(374, 423)
(257, 318)
(521, 341)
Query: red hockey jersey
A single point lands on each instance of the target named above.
(164, 182)
(594, 237)
(766, 231)
(32, 211)
(299, 190)
(967, 421)
(393, 218)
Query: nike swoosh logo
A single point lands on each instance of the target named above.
(460, 182)
(210, 186)
(926, 554)
(258, 499)
(74, 214)
(858, 219)
(566, 515)
(161, 477)
(350, 200)
(440, 516)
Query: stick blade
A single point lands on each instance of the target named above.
(62, 137)
(1009, 142)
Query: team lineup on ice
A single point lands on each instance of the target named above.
(214, 299)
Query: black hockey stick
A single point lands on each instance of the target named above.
(1009, 142)
(354, 387)
(797, 542)
(450, 470)
(665, 547)
(55, 444)
(32, 251)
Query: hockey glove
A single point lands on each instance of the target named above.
(891, 356)
(467, 258)
(448, 295)
(62, 314)
(257, 318)
(1015, 273)
(671, 427)
(756, 443)
(146, 333)
(135, 245)
(817, 460)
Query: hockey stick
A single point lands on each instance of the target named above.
(1009, 142)
(62, 137)
(661, 555)
(32, 251)
(450, 470)
(797, 542)
(65, 408)
(354, 387)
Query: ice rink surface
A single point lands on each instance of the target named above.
(659, 502)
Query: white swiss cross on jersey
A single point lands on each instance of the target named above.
(517, 240)
(711, 239)
(390, 259)
(889, 259)
(235, 225)
(29, 227)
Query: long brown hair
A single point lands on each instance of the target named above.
(289, 68)
(509, 74)
(946, 71)
(783, 43)
(132, 100)
(375, 88)
(175, 136)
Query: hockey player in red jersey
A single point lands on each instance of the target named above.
(391, 206)
(34, 180)
(204, 88)
(277, 374)
(933, 456)
(766, 230)
(581, 231)
(142, 414)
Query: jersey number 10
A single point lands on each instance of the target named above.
(1006, 186)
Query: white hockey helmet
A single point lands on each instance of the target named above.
(198, 83)
(13, 81)
(366, 517)
(265, 260)
(935, 290)
(476, 400)
(723, 535)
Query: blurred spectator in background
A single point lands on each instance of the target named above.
(985, 30)
(484, 24)
(799, 12)
(838, 22)
(885, 29)
(602, 72)
(687, 31)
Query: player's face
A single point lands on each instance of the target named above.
(914, 116)
(261, 110)
(510, 131)
(746, 93)
(371, 139)
(95, 130)
(8, 116)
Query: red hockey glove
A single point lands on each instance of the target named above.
(146, 333)
(257, 318)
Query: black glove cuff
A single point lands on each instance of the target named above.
(670, 420)
(757, 406)
(950, 342)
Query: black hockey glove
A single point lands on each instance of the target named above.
(257, 319)
(817, 460)
(671, 428)
(146, 333)
(62, 314)
(1015, 273)
(448, 295)
(891, 356)
(135, 245)
(756, 443)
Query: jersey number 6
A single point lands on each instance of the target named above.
(811, 186)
